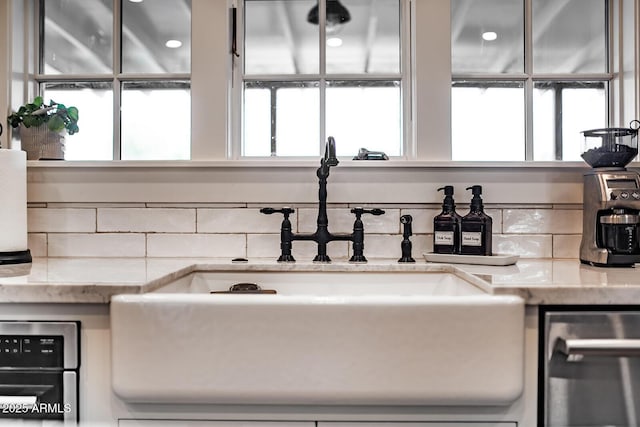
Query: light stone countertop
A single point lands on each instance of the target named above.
(95, 280)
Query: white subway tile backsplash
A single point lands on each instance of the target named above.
(233, 230)
(56, 205)
(196, 245)
(389, 222)
(152, 220)
(37, 244)
(340, 220)
(527, 246)
(422, 219)
(96, 245)
(388, 246)
(420, 243)
(527, 221)
(240, 221)
(381, 246)
(197, 205)
(496, 217)
(63, 220)
(566, 245)
(263, 246)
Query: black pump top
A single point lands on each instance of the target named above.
(476, 201)
(447, 203)
(448, 190)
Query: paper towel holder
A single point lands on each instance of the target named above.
(15, 257)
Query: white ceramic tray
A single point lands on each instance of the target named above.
(496, 259)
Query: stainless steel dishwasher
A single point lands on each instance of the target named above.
(590, 365)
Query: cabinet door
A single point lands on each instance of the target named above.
(419, 424)
(194, 423)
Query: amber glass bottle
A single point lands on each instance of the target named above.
(446, 226)
(476, 227)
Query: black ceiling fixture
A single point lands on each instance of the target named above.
(336, 14)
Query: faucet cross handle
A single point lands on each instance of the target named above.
(286, 235)
(286, 211)
(358, 233)
(359, 211)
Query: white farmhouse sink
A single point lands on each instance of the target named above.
(324, 338)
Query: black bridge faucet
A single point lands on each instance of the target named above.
(322, 235)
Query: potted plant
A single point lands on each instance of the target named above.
(42, 128)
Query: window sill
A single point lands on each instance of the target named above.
(292, 182)
(305, 163)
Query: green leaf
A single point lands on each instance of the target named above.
(38, 102)
(73, 113)
(30, 121)
(56, 124)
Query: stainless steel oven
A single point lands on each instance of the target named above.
(39, 367)
(590, 366)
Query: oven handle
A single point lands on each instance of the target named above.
(598, 347)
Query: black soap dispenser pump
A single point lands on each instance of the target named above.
(446, 226)
(477, 227)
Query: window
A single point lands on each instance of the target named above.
(520, 94)
(292, 86)
(296, 91)
(131, 86)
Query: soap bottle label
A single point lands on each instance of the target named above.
(443, 238)
(471, 238)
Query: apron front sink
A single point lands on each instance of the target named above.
(326, 338)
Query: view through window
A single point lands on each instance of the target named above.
(132, 88)
(557, 75)
(298, 91)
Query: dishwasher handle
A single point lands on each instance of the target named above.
(598, 347)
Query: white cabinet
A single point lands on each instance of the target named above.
(193, 423)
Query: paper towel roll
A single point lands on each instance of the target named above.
(13, 200)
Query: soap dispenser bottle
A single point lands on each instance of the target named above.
(446, 226)
(476, 227)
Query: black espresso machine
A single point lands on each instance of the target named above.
(611, 200)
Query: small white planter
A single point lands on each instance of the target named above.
(42, 144)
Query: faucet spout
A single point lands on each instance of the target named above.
(329, 158)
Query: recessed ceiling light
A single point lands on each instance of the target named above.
(489, 36)
(173, 44)
(135, 1)
(334, 42)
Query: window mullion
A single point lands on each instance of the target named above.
(235, 136)
(322, 19)
(408, 134)
(117, 86)
(528, 85)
